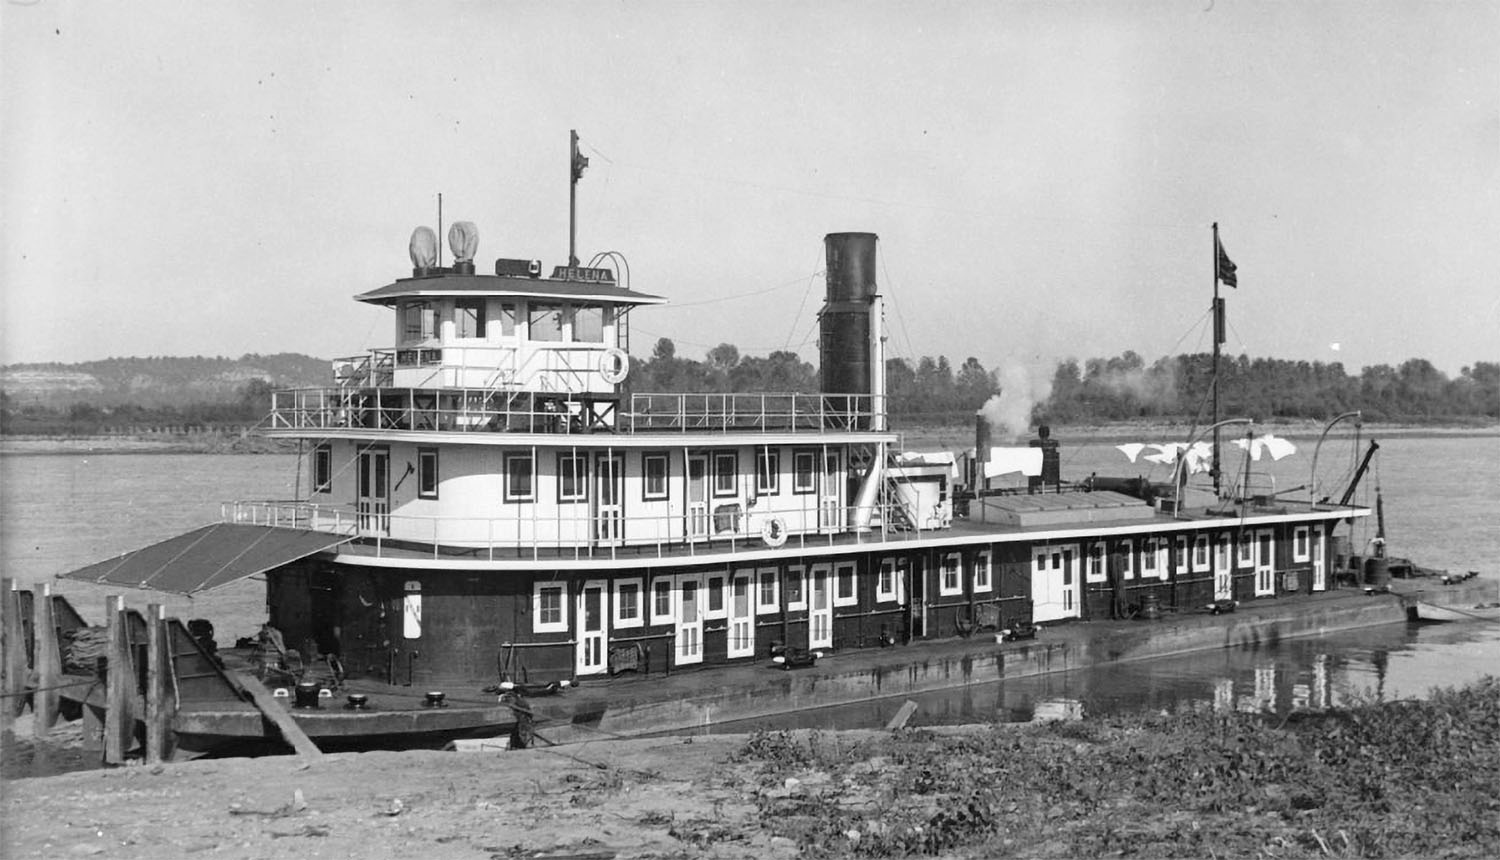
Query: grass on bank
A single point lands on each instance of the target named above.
(1406, 778)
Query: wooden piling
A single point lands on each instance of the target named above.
(119, 687)
(14, 664)
(158, 684)
(47, 662)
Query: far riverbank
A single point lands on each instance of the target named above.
(916, 436)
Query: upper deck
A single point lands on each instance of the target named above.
(373, 411)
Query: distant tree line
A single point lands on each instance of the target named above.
(1121, 388)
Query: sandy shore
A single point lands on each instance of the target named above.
(632, 798)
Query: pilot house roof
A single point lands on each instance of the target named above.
(506, 286)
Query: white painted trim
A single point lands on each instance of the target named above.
(950, 565)
(658, 617)
(983, 565)
(836, 579)
(639, 620)
(539, 626)
(793, 573)
(761, 574)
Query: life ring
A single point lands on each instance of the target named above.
(614, 365)
(773, 531)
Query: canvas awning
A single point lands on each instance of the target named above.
(208, 557)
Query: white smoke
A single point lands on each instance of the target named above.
(1009, 412)
(1151, 386)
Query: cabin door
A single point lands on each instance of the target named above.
(830, 511)
(1223, 569)
(741, 617)
(373, 504)
(916, 607)
(820, 608)
(689, 621)
(1319, 563)
(1055, 583)
(697, 497)
(593, 628)
(609, 513)
(1265, 562)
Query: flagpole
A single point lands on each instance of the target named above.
(1218, 317)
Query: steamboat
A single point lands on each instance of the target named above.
(492, 506)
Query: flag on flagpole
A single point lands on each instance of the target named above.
(1225, 268)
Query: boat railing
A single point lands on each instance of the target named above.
(608, 535)
(490, 410)
(333, 519)
(763, 412)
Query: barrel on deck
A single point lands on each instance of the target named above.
(1377, 572)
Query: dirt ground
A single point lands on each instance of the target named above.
(630, 798)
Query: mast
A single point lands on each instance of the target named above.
(576, 164)
(1218, 312)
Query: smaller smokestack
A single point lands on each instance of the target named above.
(982, 445)
(1051, 462)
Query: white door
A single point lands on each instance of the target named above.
(1319, 570)
(1265, 562)
(593, 628)
(741, 617)
(820, 608)
(830, 512)
(689, 621)
(374, 501)
(697, 497)
(1223, 569)
(609, 513)
(1055, 585)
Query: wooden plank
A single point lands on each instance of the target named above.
(13, 661)
(277, 714)
(157, 705)
(899, 721)
(119, 724)
(48, 662)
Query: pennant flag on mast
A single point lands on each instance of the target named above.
(1225, 267)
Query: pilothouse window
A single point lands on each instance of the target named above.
(588, 325)
(418, 322)
(545, 323)
(468, 318)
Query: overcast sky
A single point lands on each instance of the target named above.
(217, 179)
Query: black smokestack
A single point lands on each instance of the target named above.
(844, 324)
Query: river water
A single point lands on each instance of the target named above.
(1441, 500)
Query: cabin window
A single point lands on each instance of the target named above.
(1221, 553)
(628, 603)
(1180, 556)
(1299, 545)
(1127, 552)
(588, 325)
(948, 577)
(418, 322)
(885, 582)
(468, 318)
(1149, 548)
(983, 576)
(520, 484)
(427, 473)
(725, 468)
(796, 588)
(654, 472)
(1094, 566)
(661, 601)
(545, 323)
(1200, 552)
(322, 469)
(572, 477)
(804, 471)
(1246, 551)
(843, 585)
(508, 316)
(715, 598)
(768, 471)
(548, 609)
(767, 593)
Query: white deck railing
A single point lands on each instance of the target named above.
(486, 410)
(595, 536)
